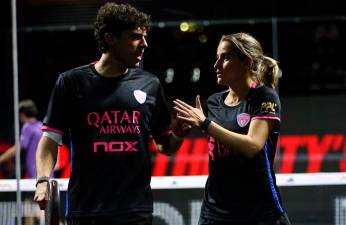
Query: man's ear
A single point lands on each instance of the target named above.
(109, 38)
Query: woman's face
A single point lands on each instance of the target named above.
(229, 67)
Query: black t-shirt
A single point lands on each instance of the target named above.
(242, 189)
(109, 122)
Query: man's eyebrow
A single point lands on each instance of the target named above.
(138, 34)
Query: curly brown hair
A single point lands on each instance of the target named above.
(116, 18)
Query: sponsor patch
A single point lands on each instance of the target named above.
(243, 119)
(140, 96)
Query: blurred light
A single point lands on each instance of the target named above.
(251, 21)
(161, 24)
(196, 74)
(184, 26)
(73, 28)
(169, 75)
(191, 27)
(203, 38)
(206, 23)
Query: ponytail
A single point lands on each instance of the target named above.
(268, 72)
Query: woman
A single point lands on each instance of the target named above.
(243, 125)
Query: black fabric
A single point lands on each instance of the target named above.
(127, 219)
(241, 189)
(109, 122)
(283, 220)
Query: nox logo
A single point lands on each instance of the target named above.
(115, 146)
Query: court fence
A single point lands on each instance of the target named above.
(309, 198)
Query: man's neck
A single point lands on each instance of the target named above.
(29, 120)
(107, 66)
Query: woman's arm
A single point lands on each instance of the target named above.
(246, 144)
(249, 144)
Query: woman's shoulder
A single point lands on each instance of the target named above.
(216, 98)
(262, 91)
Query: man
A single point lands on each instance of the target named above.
(110, 110)
(29, 137)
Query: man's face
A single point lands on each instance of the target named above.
(129, 47)
(22, 117)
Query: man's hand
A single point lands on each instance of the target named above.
(41, 195)
(179, 127)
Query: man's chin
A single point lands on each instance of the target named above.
(135, 65)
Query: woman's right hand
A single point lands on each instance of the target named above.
(189, 114)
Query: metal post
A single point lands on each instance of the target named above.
(16, 107)
(275, 38)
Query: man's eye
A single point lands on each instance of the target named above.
(136, 36)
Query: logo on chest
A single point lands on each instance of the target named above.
(140, 96)
(243, 119)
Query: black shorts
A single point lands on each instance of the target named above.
(132, 219)
(283, 220)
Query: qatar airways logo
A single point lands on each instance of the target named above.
(115, 122)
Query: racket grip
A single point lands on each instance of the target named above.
(52, 212)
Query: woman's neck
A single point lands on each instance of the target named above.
(238, 92)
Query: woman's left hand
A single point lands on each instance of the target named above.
(189, 114)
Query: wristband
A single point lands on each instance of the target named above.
(205, 124)
(42, 179)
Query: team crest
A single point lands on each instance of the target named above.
(243, 119)
(140, 96)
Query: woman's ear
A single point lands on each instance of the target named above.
(248, 63)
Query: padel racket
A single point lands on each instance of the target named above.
(52, 211)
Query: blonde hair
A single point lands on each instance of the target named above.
(264, 69)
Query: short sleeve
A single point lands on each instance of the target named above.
(161, 120)
(57, 116)
(267, 105)
(25, 137)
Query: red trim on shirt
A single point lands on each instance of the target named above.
(266, 117)
(50, 129)
(253, 85)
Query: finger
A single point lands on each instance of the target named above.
(180, 111)
(184, 104)
(186, 119)
(181, 106)
(198, 102)
(187, 127)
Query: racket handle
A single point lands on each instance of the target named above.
(52, 212)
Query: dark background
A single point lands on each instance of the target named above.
(54, 36)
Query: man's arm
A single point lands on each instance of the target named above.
(8, 154)
(168, 144)
(46, 156)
